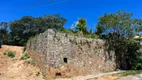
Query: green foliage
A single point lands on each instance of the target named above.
(119, 23)
(130, 55)
(0, 43)
(137, 62)
(21, 30)
(91, 36)
(4, 35)
(25, 56)
(69, 31)
(137, 25)
(119, 29)
(81, 27)
(11, 54)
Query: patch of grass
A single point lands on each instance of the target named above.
(91, 36)
(11, 54)
(118, 75)
(131, 72)
(25, 56)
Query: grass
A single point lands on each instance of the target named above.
(118, 75)
(11, 54)
(130, 72)
(91, 36)
(25, 56)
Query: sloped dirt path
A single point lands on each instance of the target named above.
(89, 77)
(16, 69)
(108, 76)
(92, 77)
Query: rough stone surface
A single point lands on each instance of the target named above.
(63, 55)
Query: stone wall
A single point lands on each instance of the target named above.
(64, 55)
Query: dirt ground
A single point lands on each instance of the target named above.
(110, 77)
(16, 69)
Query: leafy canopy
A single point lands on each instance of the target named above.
(28, 26)
(119, 23)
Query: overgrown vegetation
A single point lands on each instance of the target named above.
(19, 31)
(80, 28)
(11, 54)
(119, 30)
(130, 55)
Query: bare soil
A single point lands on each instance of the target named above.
(16, 69)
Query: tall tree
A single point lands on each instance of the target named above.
(28, 26)
(119, 23)
(119, 29)
(4, 32)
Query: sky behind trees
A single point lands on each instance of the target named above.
(72, 10)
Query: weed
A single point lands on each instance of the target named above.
(11, 54)
(25, 56)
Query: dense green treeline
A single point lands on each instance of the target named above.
(19, 31)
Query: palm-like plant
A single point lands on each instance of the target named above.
(81, 26)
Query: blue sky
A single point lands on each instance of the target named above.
(72, 10)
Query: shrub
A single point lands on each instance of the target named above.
(24, 49)
(11, 54)
(137, 63)
(132, 54)
(0, 43)
(25, 56)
